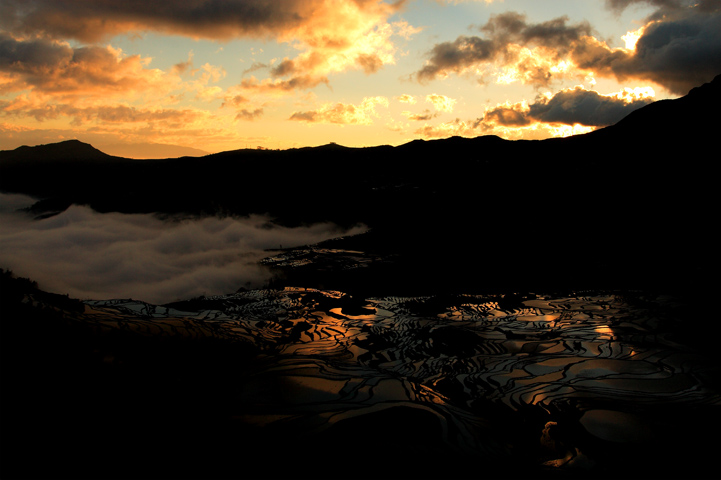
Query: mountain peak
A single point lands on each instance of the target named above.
(331, 146)
(65, 150)
(694, 115)
(74, 148)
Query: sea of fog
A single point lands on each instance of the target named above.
(90, 255)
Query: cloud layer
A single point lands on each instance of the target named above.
(343, 114)
(99, 256)
(568, 112)
(213, 19)
(329, 62)
(54, 67)
(678, 48)
(331, 35)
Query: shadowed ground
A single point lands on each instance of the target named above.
(308, 383)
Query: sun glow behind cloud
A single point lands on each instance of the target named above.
(631, 38)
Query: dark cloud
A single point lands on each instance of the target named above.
(92, 21)
(678, 53)
(664, 7)
(96, 20)
(507, 117)
(280, 85)
(501, 32)
(98, 256)
(100, 114)
(454, 57)
(329, 31)
(584, 107)
(426, 115)
(31, 56)
(54, 67)
(679, 50)
(286, 67)
(512, 27)
(249, 115)
(620, 5)
(575, 106)
(307, 116)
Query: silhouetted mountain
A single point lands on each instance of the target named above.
(249, 181)
(641, 195)
(69, 150)
(694, 115)
(151, 150)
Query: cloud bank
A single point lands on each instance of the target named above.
(99, 256)
(332, 35)
(568, 112)
(211, 19)
(343, 114)
(678, 48)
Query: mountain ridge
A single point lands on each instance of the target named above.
(649, 114)
(621, 205)
(640, 146)
(64, 150)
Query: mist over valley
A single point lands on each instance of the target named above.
(89, 255)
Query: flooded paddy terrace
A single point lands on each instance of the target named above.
(594, 383)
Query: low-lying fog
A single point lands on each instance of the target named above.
(89, 255)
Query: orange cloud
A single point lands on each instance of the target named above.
(331, 35)
(679, 48)
(509, 43)
(281, 87)
(448, 129)
(56, 68)
(505, 115)
(343, 114)
(441, 102)
(405, 98)
(24, 106)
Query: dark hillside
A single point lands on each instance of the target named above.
(68, 151)
(633, 203)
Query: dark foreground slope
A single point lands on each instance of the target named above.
(634, 204)
(302, 383)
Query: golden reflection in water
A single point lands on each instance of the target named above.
(604, 330)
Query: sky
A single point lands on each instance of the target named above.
(152, 79)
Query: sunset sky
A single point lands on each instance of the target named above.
(217, 75)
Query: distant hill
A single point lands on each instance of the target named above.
(151, 150)
(642, 194)
(248, 181)
(69, 150)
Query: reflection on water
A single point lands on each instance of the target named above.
(604, 330)
(597, 362)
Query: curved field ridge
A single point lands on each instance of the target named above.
(461, 370)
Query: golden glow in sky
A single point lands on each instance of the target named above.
(219, 75)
